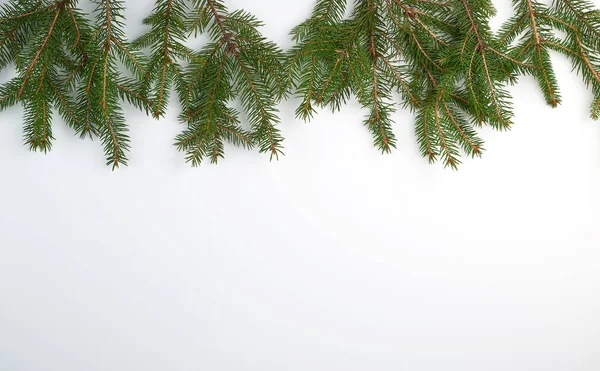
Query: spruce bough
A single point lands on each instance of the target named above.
(443, 59)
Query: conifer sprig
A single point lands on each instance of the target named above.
(531, 27)
(166, 40)
(580, 22)
(102, 84)
(444, 59)
(337, 58)
(67, 64)
(43, 40)
(484, 62)
(441, 57)
(385, 46)
(237, 63)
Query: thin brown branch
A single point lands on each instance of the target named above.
(474, 148)
(129, 55)
(514, 26)
(412, 33)
(273, 143)
(198, 145)
(525, 47)
(430, 152)
(377, 117)
(134, 93)
(330, 78)
(310, 86)
(464, 45)
(200, 70)
(109, 39)
(492, 89)
(199, 19)
(534, 27)
(161, 91)
(400, 79)
(7, 96)
(472, 21)
(115, 142)
(446, 4)
(436, 37)
(39, 53)
(470, 78)
(215, 152)
(242, 137)
(358, 83)
(511, 58)
(586, 60)
(45, 121)
(105, 81)
(562, 47)
(444, 145)
(63, 101)
(57, 3)
(581, 17)
(217, 16)
(558, 20)
(78, 37)
(91, 79)
(553, 101)
(166, 61)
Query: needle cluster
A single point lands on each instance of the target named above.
(443, 59)
(437, 58)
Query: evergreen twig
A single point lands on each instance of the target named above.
(238, 63)
(444, 59)
(441, 57)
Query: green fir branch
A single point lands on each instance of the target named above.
(237, 63)
(440, 57)
(103, 86)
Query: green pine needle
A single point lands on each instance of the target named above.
(440, 58)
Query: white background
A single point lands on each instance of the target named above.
(334, 258)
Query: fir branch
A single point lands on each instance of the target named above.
(441, 57)
(238, 63)
(102, 85)
(579, 20)
(166, 39)
(531, 26)
(380, 47)
(40, 39)
(487, 65)
(581, 23)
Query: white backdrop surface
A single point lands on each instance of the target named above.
(333, 258)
